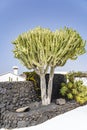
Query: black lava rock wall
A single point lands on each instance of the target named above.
(14, 95)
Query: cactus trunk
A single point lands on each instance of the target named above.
(46, 95)
(50, 84)
(43, 89)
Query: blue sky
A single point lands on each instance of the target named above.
(17, 16)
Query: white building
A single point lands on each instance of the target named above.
(61, 72)
(12, 76)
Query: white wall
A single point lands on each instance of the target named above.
(11, 77)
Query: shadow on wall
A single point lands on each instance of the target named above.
(58, 79)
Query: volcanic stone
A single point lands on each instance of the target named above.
(60, 101)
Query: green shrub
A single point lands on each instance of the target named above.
(74, 90)
(64, 90)
(70, 96)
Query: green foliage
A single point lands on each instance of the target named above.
(32, 76)
(64, 89)
(40, 48)
(77, 74)
(70, 96)
(74, 90)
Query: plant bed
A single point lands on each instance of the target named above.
(37, 114)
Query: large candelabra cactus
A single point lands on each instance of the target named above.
(41, 49)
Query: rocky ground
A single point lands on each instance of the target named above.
(35, 113)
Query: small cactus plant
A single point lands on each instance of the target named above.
(74, 90)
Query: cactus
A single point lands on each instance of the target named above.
(74, 90)
(41, 49)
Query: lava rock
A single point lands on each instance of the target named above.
(60, 101)
(34, 105)
(21, 124)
